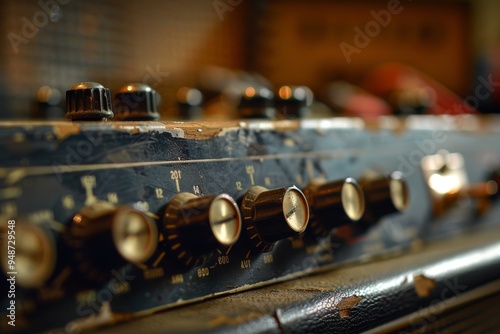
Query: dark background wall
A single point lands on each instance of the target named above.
(167, 43)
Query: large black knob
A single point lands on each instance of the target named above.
(294, 102)
(384, 195)
(136, 102)
(334, 204)
(196, 225)
(88, 101)
(104, 237)
(273, 215)
(256, 102)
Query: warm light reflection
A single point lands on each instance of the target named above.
(44, 93)
(77, 219)
(250, 92)
(285, 92)
(444, 184)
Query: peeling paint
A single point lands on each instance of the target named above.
(63, 130)
(346, 304)
(423, 285)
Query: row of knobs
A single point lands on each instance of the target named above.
(102, 236)
(91, 101)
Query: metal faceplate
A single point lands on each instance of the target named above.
(50, 171)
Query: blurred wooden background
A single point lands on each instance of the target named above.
(167, 43)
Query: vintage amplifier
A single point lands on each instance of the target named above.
(107, 221)
(312, 225)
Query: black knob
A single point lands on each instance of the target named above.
(334, 204)
(384, 195)
(256, 102)
(411, 100)
(294, 102)
(88, 101)
(196, 225)
(104, 237)
(273, 215)
(189, 101)
(136, 102)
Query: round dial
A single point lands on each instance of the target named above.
(225, 220)
(353, 200)
(295, 209)
(334, 204)
(273, 215)
(104, 237)
(385, 195)
(196, 225)
(399, 192)
(135, 235)
(35, 255)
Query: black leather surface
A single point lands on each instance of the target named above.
(346, 300)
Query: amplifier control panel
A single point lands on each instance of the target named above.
(113, 220)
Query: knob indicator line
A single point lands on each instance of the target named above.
(199, 225)
(273, 215)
